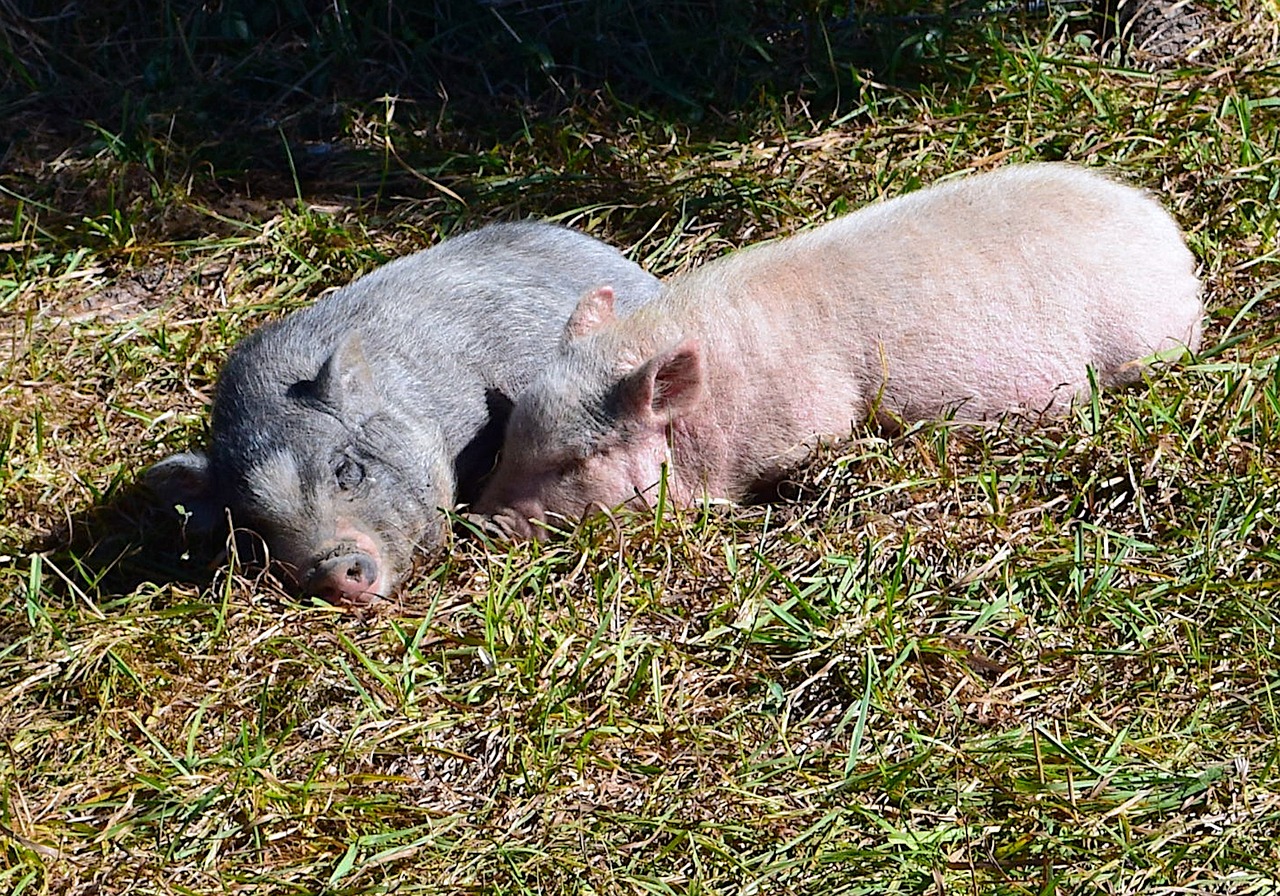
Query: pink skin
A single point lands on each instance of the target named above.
(613, 479)
(347, 582)
(989, 296)
(625, 467)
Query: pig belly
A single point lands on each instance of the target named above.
(979, 386)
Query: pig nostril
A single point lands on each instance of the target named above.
(344, 579)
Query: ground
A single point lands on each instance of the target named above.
(1026, 661)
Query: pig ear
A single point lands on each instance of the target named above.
(595, 310)
(667, 385)
(184, 480)
(345, 381)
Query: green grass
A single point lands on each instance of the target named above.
(1018, 662)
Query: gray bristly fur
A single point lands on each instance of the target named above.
(349, 424)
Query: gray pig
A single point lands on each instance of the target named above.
(341, 431)
(987, 296)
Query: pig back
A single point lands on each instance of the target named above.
(983, 296)
(477, 314)
(488, 305)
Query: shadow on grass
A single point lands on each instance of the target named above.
(229, 80)
(221, 112)
(280, 63)
(124, 542)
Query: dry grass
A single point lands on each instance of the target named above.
(1023, 662)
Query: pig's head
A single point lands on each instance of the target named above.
(340, 487)
(594, 429)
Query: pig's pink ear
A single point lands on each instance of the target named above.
(595, 310)
(667, 385)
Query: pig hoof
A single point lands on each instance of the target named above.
(345, 579)
(499, 529)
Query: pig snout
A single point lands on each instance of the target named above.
(513, 519)
(518, 523)
(352, 577)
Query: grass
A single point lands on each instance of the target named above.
(1024, 662)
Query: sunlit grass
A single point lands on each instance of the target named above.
(1018, 661)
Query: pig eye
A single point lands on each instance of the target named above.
(348, 473)
(570, 466)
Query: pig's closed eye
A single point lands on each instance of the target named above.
(348, 473)
(569, 465)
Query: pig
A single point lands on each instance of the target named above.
(340, 432)
(980, 298)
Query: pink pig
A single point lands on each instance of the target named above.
(985, 296)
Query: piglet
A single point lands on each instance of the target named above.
(342, 432)
(983, 297)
